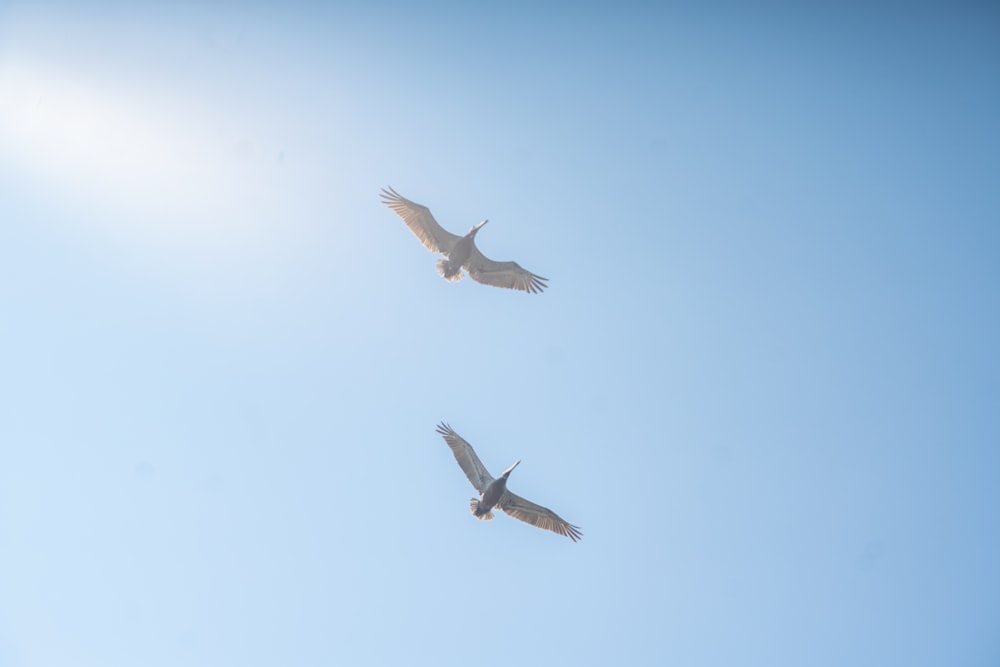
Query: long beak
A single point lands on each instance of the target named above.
(508, 470)
(479, 226)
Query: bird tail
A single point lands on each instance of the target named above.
(450, 273)
(482, 516)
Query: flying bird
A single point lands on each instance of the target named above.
(461, 251)
(494, 493)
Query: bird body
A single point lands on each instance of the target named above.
(494, 492)
(483, 505)
(461, 251)
(451, 268)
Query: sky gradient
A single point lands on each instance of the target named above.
(764, 380)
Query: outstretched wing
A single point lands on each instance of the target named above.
(536, 515)
(484, 270)
(466, 457)
(420, 221)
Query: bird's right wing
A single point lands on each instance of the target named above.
(511, 275)
(467, 459)
(420, 221)
(536, 515)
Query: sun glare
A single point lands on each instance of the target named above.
(155, 168)
(168, 178)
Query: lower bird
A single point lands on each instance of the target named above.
(461, 251)
(494, 493)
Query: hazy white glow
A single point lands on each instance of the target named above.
(155, 168)
(88, 138)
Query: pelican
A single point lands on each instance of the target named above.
(461, 251)
(494, 493)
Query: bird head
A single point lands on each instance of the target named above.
(507, 472)
(476, 228)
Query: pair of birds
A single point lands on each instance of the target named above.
(461, 254)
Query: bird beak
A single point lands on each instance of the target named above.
(479, 226)
(510, 469)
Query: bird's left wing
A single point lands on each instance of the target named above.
(511, 275)
(420, 221)
(467, 459)
(536, 515)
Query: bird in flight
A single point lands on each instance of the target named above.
(461, 251)
(494, 493)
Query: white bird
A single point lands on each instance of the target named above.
(494, 493)
(461, 251)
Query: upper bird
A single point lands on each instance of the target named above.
(461, 251)
(494, 493)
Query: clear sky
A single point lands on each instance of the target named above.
(765, 379)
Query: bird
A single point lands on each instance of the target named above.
(494, 492)
(460, 251)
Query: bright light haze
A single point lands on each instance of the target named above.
(764, 379)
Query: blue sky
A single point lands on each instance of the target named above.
(764, 379)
